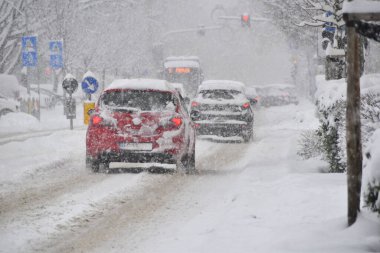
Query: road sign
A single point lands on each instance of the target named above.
(70, 84)
(56, 54)
(29, 51)
(90, 85)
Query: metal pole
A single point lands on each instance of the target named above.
(354, 145)
(71, 118)
(39, 95)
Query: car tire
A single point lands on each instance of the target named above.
(249, 136)
(93, 165)
(190, 167)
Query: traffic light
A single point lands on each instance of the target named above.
(245, 20)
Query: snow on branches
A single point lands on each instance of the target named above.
(12, 26)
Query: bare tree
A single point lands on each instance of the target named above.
(12, 27)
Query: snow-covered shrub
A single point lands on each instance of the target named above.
(372, 173)
(331, 133)
(370, 114)
(310, 145)
(329, 140)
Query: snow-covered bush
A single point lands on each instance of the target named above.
(310, 145)
(331, 134)
(329, 140)
(370, 114)
(372, 173)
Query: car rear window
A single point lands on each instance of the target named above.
(138, 100)
(219, 94)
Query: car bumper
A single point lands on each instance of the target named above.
(224, 129)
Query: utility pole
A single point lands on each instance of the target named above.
(354, 145)
(353, 125)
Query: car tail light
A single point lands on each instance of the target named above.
(96, 120)
(177, 121)
(246, 105)
(194, 104)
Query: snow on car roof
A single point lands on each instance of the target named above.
(140, 84)
(181, 63)
(222, 84)
(275, 85)
(182, 58)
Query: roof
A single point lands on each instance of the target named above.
(222, 85)
(275, 85)
(182, 58)
(140, 84)
(181, 63)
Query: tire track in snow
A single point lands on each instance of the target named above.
(134, 212)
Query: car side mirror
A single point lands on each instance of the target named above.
(91, 111)
(252, 101)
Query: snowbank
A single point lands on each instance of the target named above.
(9, 86)
(18, 122)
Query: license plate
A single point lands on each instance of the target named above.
(136, 146)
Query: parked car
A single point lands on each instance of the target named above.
(277, 94)
(221, 109)
(142, 123)
(8, 105)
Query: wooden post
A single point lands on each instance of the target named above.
(353, 125)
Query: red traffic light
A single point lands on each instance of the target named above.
(246, 20)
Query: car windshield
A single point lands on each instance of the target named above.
(138, 100)
(219, 94)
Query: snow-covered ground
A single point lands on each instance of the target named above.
(257, 197)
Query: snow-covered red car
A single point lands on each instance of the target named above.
(141, 123)
(221, 109)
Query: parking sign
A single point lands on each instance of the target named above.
(56, 54)
(29, 51)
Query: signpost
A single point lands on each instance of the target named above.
(56, 54)
(90, 85)
(70, 85)
(29, 51)
(30, 59)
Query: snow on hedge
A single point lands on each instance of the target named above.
(329, 92)
(361, 6)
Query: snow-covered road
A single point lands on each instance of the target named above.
(256, 197)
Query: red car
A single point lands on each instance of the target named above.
(140, 123)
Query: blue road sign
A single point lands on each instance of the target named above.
(56, 54)
(29, 51)
(90, 85)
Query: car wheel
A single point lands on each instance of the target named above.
(190, 168)
(93, 165)
(249, 136)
